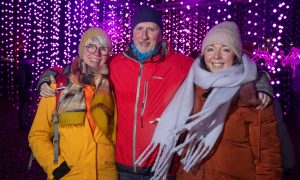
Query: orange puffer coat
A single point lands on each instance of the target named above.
(248, 147)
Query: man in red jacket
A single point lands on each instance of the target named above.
(145, 77)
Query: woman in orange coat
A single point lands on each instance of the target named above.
(243, 142)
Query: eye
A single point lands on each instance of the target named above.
(151, 29)
(139, 28)
(226, 49)
(91, 48)
(104, 50)
(209, 49)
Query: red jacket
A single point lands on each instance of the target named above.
(142, 93)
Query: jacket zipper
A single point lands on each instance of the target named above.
(135, 117)
(144, 102)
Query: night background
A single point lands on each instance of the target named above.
(39, 34)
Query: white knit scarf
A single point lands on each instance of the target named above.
(206, 126)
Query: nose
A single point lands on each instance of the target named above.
(97, 53)
(218, 54)
(144, 34)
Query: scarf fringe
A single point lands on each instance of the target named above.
(70, 126)
(205, 126)
(162, 161)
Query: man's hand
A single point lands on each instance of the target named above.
(46, 90)
(265, 100)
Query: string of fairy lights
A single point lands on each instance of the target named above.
(49, 31)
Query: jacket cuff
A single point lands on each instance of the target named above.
(45, 78)
(263, 84)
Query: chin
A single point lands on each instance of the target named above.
(92, 65)
(144, 49)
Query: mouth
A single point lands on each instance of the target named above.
(218, 65)
(94, 60)
(144, 44)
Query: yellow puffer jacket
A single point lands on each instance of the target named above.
(90, 156)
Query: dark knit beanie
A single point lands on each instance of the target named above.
(147, 14)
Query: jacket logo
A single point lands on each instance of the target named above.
(157, 77)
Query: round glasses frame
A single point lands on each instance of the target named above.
(92, 48)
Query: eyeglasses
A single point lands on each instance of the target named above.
(92, 48)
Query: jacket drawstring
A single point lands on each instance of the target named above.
(259, 134)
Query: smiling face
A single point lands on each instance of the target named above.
(218, 57)
(146, 36)
(95, 53)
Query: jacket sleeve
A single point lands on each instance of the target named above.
(40, 136)
(286, 145)
(266, 146)
(45, 77)
(263, 83)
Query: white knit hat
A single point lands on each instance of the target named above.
(226, 33)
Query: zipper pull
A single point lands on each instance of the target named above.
(154, 121)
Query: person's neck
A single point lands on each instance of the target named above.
(141, 56)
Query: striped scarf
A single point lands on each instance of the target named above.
(72, 105)
(81, 99)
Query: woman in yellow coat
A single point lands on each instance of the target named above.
(73, 134)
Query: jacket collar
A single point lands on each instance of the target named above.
(162, 50)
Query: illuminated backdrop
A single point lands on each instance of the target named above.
(49, 31)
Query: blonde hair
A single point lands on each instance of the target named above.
(94, 33)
